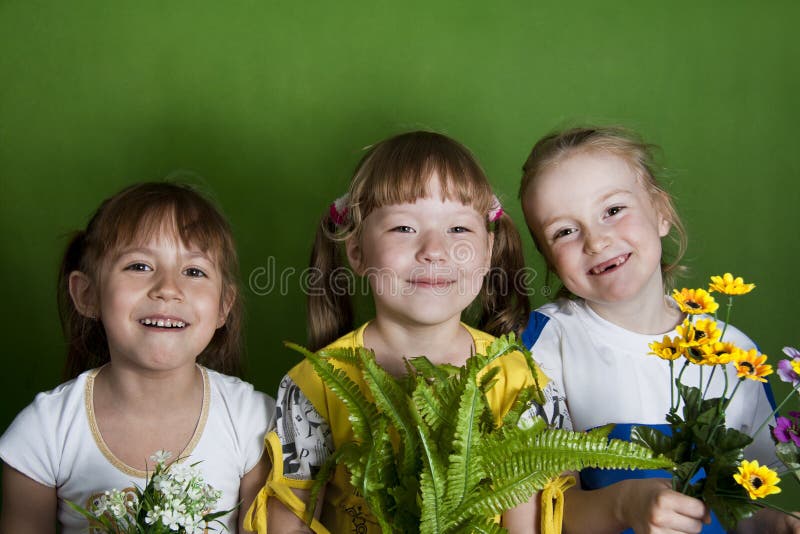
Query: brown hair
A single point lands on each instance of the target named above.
(135, 214)
(625, 144)
(395, 171)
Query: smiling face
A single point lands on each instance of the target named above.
(598, 228)
(425, 261)
(160, 303)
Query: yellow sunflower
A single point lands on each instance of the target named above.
(695, 301)
(759, 481)
(666, 350)
(729, 285)
(719, 352)
(697, 340)
(751, 365)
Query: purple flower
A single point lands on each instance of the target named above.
(786, 371)
(788, 429)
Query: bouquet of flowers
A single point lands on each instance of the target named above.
(428, 455)
(175, 499)
(786, 432)
(699, 442)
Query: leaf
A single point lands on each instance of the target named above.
(432, 486)
(464, 471)
(362, 412)
(653, 439)
(502, 495)
(392, 401)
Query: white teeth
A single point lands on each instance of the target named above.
(163, 323)
(617, 262)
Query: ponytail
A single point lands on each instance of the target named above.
(330, 309)
(504, 296)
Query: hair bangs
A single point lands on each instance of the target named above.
(399, 171)
(139, 218)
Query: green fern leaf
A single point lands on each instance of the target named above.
(464, 471)
(430, 407)
(392, 401)
(501, 496)
(520, 406)
(432, 486)
(556, 451)
(362, 412)
(344, 355)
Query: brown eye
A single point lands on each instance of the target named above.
(194, 272)
(139, 267)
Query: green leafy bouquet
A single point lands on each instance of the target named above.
(175, 499)
(449, 468)
(700, 443)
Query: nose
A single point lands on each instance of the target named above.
(432, 248)
(595, 241)
(166, 287)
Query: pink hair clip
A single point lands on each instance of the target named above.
(496, 210)
(338, 210)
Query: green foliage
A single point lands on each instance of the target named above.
(699, 443)
(450, 469)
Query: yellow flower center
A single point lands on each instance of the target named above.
(693, 305)
(749, 366)
(756, 482)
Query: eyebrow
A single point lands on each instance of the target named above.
(149, 251)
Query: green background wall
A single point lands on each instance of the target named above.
(268, 105)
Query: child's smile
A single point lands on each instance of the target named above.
(609, 266)
(598, 228)
(160, 304)
(426, 260)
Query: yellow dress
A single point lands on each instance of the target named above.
(342, 510)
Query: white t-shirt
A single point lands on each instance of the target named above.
(56, 442)
(608, 376)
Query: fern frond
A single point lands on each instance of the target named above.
(362, 411)
(504, 345)
(430, 371)
(556, 451)
(464, 470)
(344, 355)
(430, 407)
(392, 401)
(522, 404)
(380, 473)
(499, 497)
(432, 485)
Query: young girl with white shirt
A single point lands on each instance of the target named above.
(152, 314)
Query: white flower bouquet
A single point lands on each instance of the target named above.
(175, 499)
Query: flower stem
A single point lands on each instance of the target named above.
(778, 409)
(671, 386)
(708, 384)
(727, 316)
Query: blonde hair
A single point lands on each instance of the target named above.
(135, 214)
(625, 144)
(395, 171)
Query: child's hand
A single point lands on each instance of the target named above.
(773, 521)
(650, 506)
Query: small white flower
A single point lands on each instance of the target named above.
(161, 456)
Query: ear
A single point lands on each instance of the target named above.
(355, 254)
(225, 305)
(664, 222)
(83, 294)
